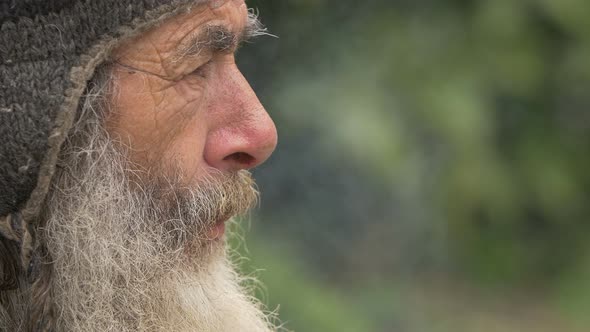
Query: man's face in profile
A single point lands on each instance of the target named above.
(182, 105)
(182, 98)
(154, 167)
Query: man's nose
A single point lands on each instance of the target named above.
(241, 133)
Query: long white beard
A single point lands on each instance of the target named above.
(132, 257)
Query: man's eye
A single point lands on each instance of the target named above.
(202, 70)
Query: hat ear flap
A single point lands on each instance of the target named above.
(15, 251)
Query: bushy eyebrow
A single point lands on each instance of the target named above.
(219, 39)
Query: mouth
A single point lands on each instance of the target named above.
(217, 231)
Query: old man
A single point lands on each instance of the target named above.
(126, 136)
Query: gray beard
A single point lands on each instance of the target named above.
(133, 255)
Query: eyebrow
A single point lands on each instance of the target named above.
(219, 39)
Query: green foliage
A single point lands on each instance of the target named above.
(304, 304)
(421, 138)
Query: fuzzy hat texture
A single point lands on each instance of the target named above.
(49, 50)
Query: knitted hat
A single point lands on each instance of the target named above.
(49, 50)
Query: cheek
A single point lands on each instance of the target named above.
(160, 124)
(185, 153)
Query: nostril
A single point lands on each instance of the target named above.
(241, 158)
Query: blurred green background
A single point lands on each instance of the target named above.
(432, 171)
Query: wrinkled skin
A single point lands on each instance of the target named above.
(149, 255)
(197, 112)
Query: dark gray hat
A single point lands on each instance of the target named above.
(49, 49)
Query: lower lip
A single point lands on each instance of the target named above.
(217, 231)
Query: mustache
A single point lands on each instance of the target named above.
(193, 209)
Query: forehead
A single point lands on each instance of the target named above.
(219, 3)
(233, 14)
